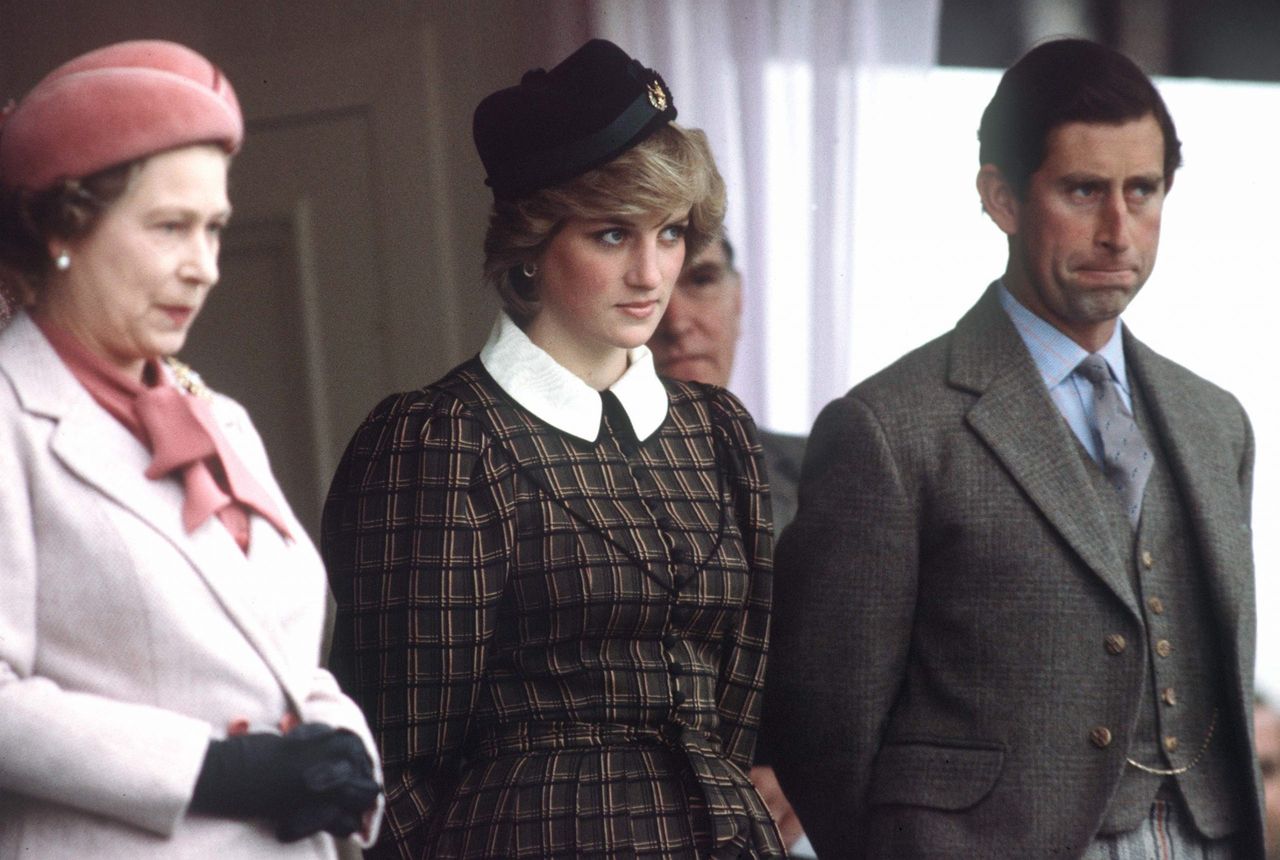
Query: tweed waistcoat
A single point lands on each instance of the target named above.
(1181, 690)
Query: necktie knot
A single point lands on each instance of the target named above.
(1094, 368)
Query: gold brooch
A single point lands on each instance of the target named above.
(657, 96)
(188, 380)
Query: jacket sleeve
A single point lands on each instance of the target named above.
(416, 539)
(742, 668)
(127, 761)
(1246, 464)
(847, 577)
(324, 701)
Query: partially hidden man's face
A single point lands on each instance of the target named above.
(698, 334)
(1083, 237)
(1266, 727)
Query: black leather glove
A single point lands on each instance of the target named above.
(313, 778)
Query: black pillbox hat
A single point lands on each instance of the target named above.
(556, 125)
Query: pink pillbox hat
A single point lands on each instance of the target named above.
(114, 105)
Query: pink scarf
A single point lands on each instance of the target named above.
(182, 435)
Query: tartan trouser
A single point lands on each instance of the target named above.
(1166, 834)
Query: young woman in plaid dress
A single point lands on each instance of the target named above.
(552, 568)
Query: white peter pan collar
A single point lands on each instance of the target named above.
(556, 395)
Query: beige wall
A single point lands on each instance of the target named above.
(352, 266)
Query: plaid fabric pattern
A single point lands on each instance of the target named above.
(560, 645)
(1166, 834)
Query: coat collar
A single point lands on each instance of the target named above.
(1208, 475)
(99, 450)
(553, 393)
(1015, 416)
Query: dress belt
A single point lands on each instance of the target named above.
(732, 803)
(508, 738)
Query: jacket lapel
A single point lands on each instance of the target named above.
(1016, 418)
(100, 451)
(1206, 474)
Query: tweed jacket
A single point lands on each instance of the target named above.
(127, 643)
(945, 593)
(560, 643)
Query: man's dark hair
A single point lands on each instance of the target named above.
(1066, 80)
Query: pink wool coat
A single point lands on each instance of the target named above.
(127, 643)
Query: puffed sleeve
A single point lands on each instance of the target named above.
(416, 539)
(742, 668)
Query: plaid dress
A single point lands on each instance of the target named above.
(560, 644)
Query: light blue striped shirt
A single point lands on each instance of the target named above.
(1056, 357)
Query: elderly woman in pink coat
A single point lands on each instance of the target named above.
(160, 606)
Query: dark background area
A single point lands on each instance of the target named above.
(1234, 39)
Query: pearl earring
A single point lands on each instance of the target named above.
(529, 269)
(62, 262)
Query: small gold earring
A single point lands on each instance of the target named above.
(62, 262)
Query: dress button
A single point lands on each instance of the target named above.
(1164, 648)
(680, 615)
(1156, 605)
(1170, 743)
(675, 667)
(1169, 697)
(1114, 643)
(1100, 737)
(664, 522)
(1148, 560)
(678, 697)
(679, 555)
(670, 640)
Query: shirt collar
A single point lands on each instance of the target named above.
(1056, 356)
(556, 395)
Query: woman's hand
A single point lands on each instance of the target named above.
(766, 783)
(311, 779)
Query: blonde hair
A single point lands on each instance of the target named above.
(670, 171)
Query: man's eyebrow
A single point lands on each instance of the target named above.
(706, 268)
(1153, 178)
(1082, 178)
(1090, 178)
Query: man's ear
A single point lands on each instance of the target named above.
(737, 295)
(999, 200)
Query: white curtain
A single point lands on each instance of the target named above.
(778, 85)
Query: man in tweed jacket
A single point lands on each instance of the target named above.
(978, 651)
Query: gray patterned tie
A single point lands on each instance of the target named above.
(1126, 457)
